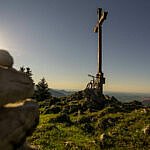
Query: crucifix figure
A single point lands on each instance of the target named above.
(99, 79)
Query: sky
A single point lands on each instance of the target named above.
(55, 39)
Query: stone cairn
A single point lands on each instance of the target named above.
(18, 114)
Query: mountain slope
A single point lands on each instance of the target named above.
(75, 122)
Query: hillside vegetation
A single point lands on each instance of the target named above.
(81, 122)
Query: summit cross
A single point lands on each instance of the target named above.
(100, 80)
(98, 28)
(96, 84)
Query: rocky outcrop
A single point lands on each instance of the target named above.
(14, 86)
(146, 130)
(6, 59)
(17, 122)
(18, 114)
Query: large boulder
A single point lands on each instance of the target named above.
(17, 122)
(14, 86)
(6, 59)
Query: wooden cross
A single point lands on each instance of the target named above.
(98, 28)
(97, 81)
(100, 80)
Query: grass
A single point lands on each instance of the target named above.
(107, 128)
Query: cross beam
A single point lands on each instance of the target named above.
(101, 17)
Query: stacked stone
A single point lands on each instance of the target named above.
(18, 115)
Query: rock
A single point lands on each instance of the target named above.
(65, 109)
(146, 130)
(14, 86)
(16, 123)
(17, 120)
(102, 136)
(63, 118)
(88, 128)
(85, 119)
(54, 109)
(25, 146)
(144, 110)
(130, 106)
(6, 59)
(73, 108)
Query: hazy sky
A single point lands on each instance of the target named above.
(55, 38)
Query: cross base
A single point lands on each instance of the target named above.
(100, 80)
(97, 82)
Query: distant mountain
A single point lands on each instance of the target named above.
(128, 97)
(60, 93)
(146, 101)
